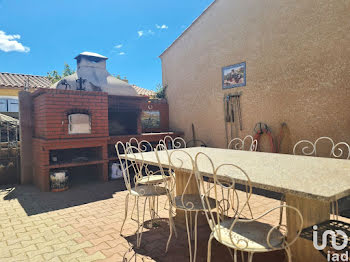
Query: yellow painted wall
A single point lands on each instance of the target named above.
(9, 92)
(297, 54)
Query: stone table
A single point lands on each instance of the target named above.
(309, 183)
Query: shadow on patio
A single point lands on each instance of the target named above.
(84, 222)
(154, 242)
(36, 202)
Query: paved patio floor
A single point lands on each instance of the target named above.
(83, 224)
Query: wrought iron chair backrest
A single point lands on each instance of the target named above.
(135, 146)
(216, 215)
(131, 167)
(219, 185)
(143, 145)
(176, 160)
(339, 150)
(248, 143)
(173, 143)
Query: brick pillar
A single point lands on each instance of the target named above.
(139, 124)
(105, 164)
(104, 172)
(26, 135)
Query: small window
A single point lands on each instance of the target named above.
(3, 105)
(12, 105)
(79, 124)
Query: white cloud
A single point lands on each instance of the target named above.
(162, 26)
(118, 46)
(8, 43)
(121, 53)
(145, 32)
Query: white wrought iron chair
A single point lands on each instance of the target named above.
(142, 145)
(187, 201)
(173, 143)
(248, 143)
(245, 235)
(135, 167)
(150, 176)
(308, 148)
(169, 142)
(340, 150)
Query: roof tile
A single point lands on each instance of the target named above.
(11, 80)
(143, 92)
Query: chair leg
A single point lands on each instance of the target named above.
(228, 201)
(195, 236)
(139, 234)
(289, 254)
(188, 235)
(209, 247)
(125, 212)
(138, 221)
(172, 219)
(151, 209)
(166, 201)
(133, 209)
(191, 225)
(281, 210)
(230, 251)
(235, 259)
(171, 227)
(154, 209)
(250, 210)
(250, 257)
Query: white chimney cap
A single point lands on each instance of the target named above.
(91, 54)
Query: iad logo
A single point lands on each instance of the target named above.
(341, 246)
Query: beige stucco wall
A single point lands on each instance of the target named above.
(297, 55)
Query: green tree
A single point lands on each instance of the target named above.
(161, 91)
(54, 76)
(67, 71)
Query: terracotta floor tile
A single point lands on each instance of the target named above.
(86, 220)
(96, 248)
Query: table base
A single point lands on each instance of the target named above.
(313, 212)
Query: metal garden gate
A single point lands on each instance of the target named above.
(9, 150)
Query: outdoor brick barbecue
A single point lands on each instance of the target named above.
(77, 121)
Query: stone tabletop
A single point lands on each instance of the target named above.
(318, 178)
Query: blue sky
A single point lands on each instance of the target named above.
(38, 36)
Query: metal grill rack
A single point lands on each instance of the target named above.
(332, 225)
